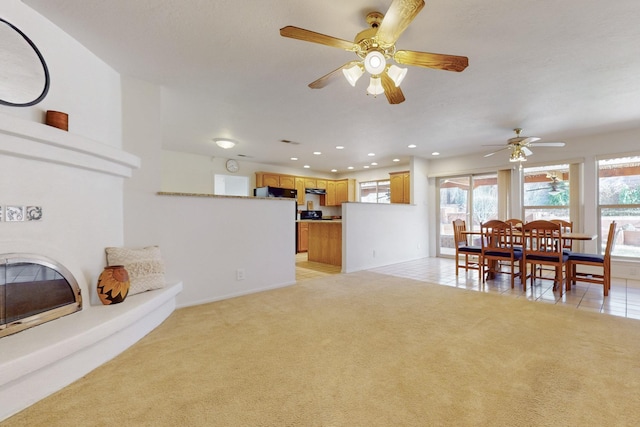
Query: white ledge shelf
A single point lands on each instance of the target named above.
(31, 140)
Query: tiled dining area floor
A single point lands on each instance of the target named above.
(623, 299)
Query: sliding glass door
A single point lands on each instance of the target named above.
(472, 198)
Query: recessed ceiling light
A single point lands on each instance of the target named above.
(374, 164)
(334, 170)
(307, 166)
(350, 168)
(371, 154)
(225, 143)
(317, 153)
(412, 146)
(339, 147)
(435, 153)
(396, 160)
(294, 158)
(366, 167)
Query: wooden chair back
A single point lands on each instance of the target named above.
(541, 247)
(567, 227)
(498, 246)
(593, 260)
(459, 238)
(471, 254)
(516, 223)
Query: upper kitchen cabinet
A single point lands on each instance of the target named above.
(266, 179)
(287, 181)
(321, 183)
(299, 185)
(400, 187)
(310, 183)
(339, 191)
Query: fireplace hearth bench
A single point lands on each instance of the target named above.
(40, 361)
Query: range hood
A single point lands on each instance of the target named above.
(315, 191)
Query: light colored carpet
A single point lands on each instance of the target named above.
(364, 349)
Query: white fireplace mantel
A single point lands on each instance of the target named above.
(26, 139)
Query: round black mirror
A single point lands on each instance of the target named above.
(24, 76)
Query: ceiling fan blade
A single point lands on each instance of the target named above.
(526, 151)
(529, 140)
(547, 144)
(311, 36)
(494, 152)
(330, 77)
(397, 19)
(431, 60)
(392, 92)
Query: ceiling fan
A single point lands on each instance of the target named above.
(519, 146)
(555, 187)
(375, 46)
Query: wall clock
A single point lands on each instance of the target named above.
(232, 165)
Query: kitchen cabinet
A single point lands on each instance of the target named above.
(325, 242)
(266, 179)
(330, 198)
(400, 187)
(299, 185)
(339, 191)
(345, 191)
(303, 237)
(287, 181)
(270, 180)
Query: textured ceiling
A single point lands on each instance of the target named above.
(558, 69)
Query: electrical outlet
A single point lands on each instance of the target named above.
(240, 274)
(374, 253)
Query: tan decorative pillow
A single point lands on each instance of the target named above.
(144, 265)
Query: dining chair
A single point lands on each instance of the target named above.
(542, 247)
(471, 253)
(567, 244)
(593, 260)
(498, 250)
(516, 224)
(566, 227)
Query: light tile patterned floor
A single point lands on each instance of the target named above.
(623, 299)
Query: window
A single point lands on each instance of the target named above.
(619, 200)
(230, 185)
(375, 191)
(546, 193)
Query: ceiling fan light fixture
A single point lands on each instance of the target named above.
(375, 63)
(554, 192)
(517, 156)
(397, 74)
(375, 87)
(352, 74)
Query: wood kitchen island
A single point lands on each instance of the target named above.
(325, 242)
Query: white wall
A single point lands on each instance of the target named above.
(204, 240)
(82, 208)
(82, 85)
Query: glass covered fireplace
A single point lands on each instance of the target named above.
(33, 290)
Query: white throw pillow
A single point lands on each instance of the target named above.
(144, 265)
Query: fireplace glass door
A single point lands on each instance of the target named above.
(34, 290)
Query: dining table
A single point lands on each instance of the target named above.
(568, 235)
